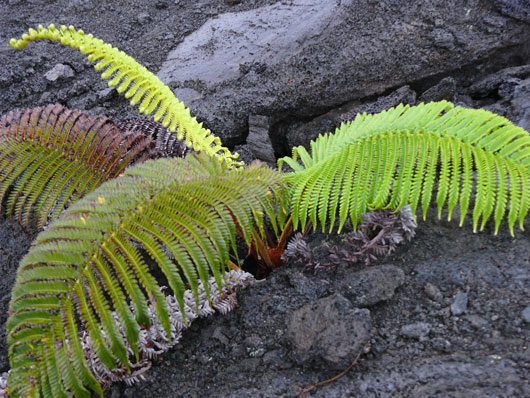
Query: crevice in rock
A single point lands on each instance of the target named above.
(464, 77)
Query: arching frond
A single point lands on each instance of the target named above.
(182, 213)
(404, 155)
(51, 156)
(139, 84)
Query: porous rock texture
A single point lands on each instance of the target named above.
(304, 67)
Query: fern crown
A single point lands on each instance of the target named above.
(138, 83)
(183, 213)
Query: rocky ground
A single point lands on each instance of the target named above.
(448, 315)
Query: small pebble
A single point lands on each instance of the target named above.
(105, 94)
(526, 314)
(441, 344)
(378, 346)
(459, 306)
(143, 17)
(59, 71)
(477, 322)
(220, 336)
(433, 292)
(416, 330)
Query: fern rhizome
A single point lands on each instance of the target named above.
(93, 271)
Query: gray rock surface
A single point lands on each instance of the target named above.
(234, 43)
(433, 292)
(258, 140)
(416, 330)
(265, 61)
(521, 104)
(440, 378)
(490, 84)
(525, 314)
(519, 9)
(14, 243)
(330, 332)
(510, 88)
(459, 305)
(303, 133)
(371, 286)
(444, 90)
(59, 71)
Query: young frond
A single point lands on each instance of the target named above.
(408, 155)
(88, 270)
(140, 85)
(50, 156)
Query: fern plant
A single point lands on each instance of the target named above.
(393, 158)
(87, 270)
(182, 212)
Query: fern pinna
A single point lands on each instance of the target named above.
(183, 213)
(51, 156)
(138, 83)
(386, 160)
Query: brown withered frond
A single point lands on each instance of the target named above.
(50, 156)
(167, 145)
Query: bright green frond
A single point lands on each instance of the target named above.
(408, 155)
(87, 270)
(139, 84)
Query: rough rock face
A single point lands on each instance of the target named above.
(14, 243)
(331, 331)
(265, 61)
(302, 133)
(521, 104)
(371, 286)
(519, 9)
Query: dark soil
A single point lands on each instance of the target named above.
(454, 322)
(418, 347)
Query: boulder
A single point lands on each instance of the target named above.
(330, 332)
(300, 58)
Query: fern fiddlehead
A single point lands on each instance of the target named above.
(88, 265)
(386, 160)
(138, 84)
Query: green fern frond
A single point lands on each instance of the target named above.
(138, 83)
(51, 156)
(404, 155)
(88, 269)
